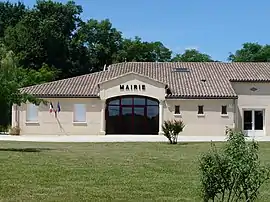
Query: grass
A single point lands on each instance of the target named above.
(104, 171)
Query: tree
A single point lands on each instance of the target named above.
(53, 34)
(192, 55)
(12, 78)
(44, 35)
(10, 15)
(171, 130)
(251, 52)
(234, 172)
(102, 42)
(140, 51)
(105, 45)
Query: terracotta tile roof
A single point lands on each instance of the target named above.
(202, 80)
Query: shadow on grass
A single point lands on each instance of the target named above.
(25, 149)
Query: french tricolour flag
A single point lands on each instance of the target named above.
(51, 107)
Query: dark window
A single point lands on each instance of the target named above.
(151, 102)
(176, 109)
(224, 109)
(126, 101)
(114, 102)
(139, 101)
(200, 109)
(132, 115)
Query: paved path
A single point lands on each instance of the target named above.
(114, 138)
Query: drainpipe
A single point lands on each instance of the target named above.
(16, 113)
(104, 68)
(235, 114)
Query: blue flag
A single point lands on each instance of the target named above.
(58, 107)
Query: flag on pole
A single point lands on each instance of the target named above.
(58, 107)
(51, 107)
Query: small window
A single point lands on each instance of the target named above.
(176, 109)
(31, 113)
(224, 109)
(200, 109)
(181, 69)
(79, 113)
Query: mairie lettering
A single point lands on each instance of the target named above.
(132, 87)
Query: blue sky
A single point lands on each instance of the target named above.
(215, 27)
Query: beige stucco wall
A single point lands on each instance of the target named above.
(259, 99)
(63, 124)
(212, 124)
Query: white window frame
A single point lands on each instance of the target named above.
(79, 118)
(29, 107)
(203, 114)
(177, 114)
(226, 111)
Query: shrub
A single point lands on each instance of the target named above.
(232, 173)
(4, 129)
(172, 129)
(15, 130)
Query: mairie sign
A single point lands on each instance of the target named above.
(132, 87)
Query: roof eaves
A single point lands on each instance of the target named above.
(249, 80)
(64, 96)
(202, 97)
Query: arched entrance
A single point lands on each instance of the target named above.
(132, 115)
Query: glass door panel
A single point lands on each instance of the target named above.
(152, 119)
(258, 120)
(112, 121)
(248, 120)
(126, 120)
(139, 120)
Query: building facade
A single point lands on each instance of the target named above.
(137, 97)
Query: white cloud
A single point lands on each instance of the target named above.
(192, 47)
(181, 50)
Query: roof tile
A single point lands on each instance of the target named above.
(218, 77)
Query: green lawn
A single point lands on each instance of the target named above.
(104, 171)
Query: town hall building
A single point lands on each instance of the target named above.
(137, 97)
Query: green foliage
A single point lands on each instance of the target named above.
(192, 55)
(4, 129)
(233, 173)
(28, 77)
(12, 78)
(171, 129)
(251, 52)
(53, 33)
(10, 15)
(44, 35)
(101, 40)
(140, 51)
